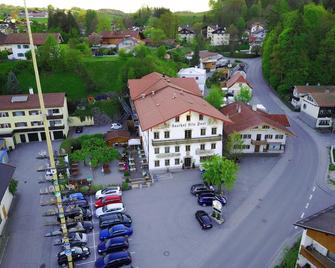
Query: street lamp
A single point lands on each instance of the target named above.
(49, 145)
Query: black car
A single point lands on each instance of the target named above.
(204, 220)
(113, 245)
(206, 199)
(77, 212)
(109, 220)
(78, 253)
(86, 225)
(198, 189)
(79, 129)
(79, 203)
(114, 260)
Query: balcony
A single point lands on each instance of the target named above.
(204, 152)
(261, 142)
(316, 258)
(167, 155)
(54, 116)
(186, 141)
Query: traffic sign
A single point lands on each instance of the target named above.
(67, 252)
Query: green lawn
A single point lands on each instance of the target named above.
(99, 59)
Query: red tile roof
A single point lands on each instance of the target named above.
(311, 89)
(120, 34)
(171, 97)
(244, 117)
(22, 38)
(50, 100)
(324, 99)
(205, 54)
(237, 78)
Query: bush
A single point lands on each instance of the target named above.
(331, 167)
(125, 186)
(84, 190)
(13, 186)
(126, 173)
(290, 256)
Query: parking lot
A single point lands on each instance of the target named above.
(165, 229)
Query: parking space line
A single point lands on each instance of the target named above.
(310, 197)
(314, 188)
(307, 205)
(302, 215)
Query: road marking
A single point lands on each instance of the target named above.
(302, 215)
(295, 227)
(307, 205)
(310, 197)
(132, 252)
(314, 188)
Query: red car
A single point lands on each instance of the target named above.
(110, 199)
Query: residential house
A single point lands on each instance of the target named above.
(219, 37)
(17, 44)
(178, 128)
(317, 246)
(257, 36)
(34, 14)
(208, 60)
(120, 39)
(207, 31)
(301, 91)
(318, 109)
(196, 73)
(186, 34)
(261, 132)
(6, 174)
(236, 82)
(21, 119)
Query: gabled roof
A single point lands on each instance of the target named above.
(324, 99)
(165, 98)
(120, 34)
(6, 174)
(238, 77)
(22, 38)
(155, 82)
(32, 102)
(206, 54)
(311, 89)
(244, 117)
(185, 30)
(322, 221)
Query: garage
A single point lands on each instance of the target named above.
(43, 137)
(58, 135)
(33, 137)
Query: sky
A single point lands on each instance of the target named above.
(123, 5)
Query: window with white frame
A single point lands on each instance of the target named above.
(156, 163)
(268, 136)
(213, 146)
(157, 150)
(156, 135)
(166, 134)
(167, 162)
(167, 150)
(176, 149)
(279, 137)
(202, 147)
(246, 136)
(176, 161)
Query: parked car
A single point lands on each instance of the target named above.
(77, 196)
(206, 199)
(116, 126)
(77, 212)
(116, 259)
(77, 254)
(112, 219)
(79, 129)
(76, 239)
(80, 203)
(114, 231)
(197, 189)
(87, 226)
(113, 244)
(204, 220)
(111, 208)
(109, 199)
(115, 190)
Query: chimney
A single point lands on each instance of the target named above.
(152, 93)
(31, 91)
(254, 107)
(142, 96)
(238, 108)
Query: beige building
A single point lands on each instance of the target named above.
(21, 119)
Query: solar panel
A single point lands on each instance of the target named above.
(21, 98)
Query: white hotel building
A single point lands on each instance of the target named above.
(178, 128)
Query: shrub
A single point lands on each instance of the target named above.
(126, 173)
(84, 189)
(331, 167)
(13, 186)
(125, 186)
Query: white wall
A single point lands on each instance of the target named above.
(309, 107)
(5, 205)
(199, 78)
(186, 37)
(19, 49)
(235, 89)
(177, 131)
(74, 121)
(220, 39)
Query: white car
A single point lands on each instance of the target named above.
(111, 208)
(115, 190)
(116, 126)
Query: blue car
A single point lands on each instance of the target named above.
(116, 259)
(77, 196)
(206, 199)
(116, 230)
(113, 244)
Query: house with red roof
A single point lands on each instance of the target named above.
(236, 82)
(261, 132)
(178, 128)
(18, 43)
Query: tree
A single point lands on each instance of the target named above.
(215, 97)
(13, 85)
(155, 34)
(49, 54)
(91, 21)
(244, 95)
(13, 186)
(104, 22)
(161, 52)
(94, 39)
(234, 145)
(220, 170)
(195, 57)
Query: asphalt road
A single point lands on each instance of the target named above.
(295, 188)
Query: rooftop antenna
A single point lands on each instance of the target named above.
(49, 144)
